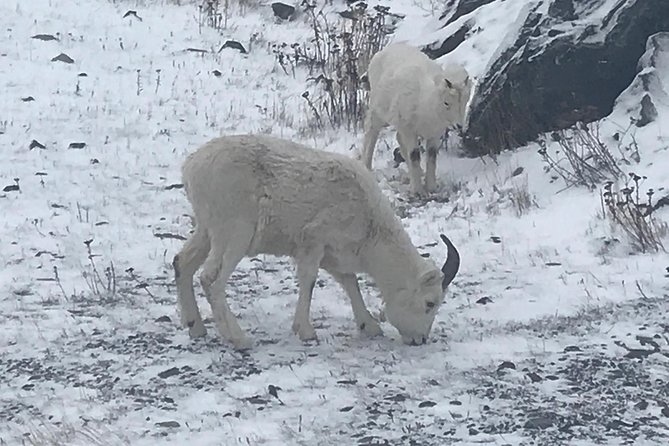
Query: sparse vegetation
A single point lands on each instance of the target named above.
(582, 158)
(633, 214)
(336, 59)
(103, 286)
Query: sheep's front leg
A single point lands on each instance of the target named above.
(411, 152)
(217, 269)
(307, 272)
(363, 319)
(431, 165)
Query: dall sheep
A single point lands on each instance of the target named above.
(254, 194)
(420, 99)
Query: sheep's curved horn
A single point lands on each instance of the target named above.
(452, 264)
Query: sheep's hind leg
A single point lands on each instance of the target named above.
(411, 153)
(363, 319)
(218, 267)
(431, 165)
(307, 272)
(185, 263)
(373, 127)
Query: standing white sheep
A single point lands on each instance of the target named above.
(412, 93)
(255, 194)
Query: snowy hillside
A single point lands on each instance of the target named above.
(554, 332)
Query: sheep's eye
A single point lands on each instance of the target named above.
(430, 305)
(446, 104)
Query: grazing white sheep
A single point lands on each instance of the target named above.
(254, 194)
(412, 93)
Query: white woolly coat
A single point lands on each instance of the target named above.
(296, 198)
(408, 89)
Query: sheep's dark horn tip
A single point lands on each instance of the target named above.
(452, 264)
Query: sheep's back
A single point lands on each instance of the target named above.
(287, 190)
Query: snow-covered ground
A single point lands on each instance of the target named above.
(546, 336)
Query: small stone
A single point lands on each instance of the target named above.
(44, 37)
(168, 424)
(347, 381)
(163, 319)
(34, 144)
(542, 422)
(169, 372)
(282, 10)
(233, 44)
(506, 365)
(427, 404)
(62, 57)
(484, 300)
(534, 377)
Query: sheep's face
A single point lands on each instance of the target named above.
(412, 311)
(453, 97)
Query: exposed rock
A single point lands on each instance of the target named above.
(562, 9)
(450, 43)
(458, 8)
(651, 85)
(648, 112)
(569, 62)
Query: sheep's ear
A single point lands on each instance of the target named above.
(431, 279)
(449, 84)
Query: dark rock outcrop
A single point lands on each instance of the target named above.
(457, 8)
(569, 62)
(650, 87)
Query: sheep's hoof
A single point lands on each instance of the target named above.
(305, 332)
(197, 330)
(419, 192)
(242, 343)
(370, 328)
(431, 186)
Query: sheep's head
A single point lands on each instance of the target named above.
(454, 93)
(413, 310)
